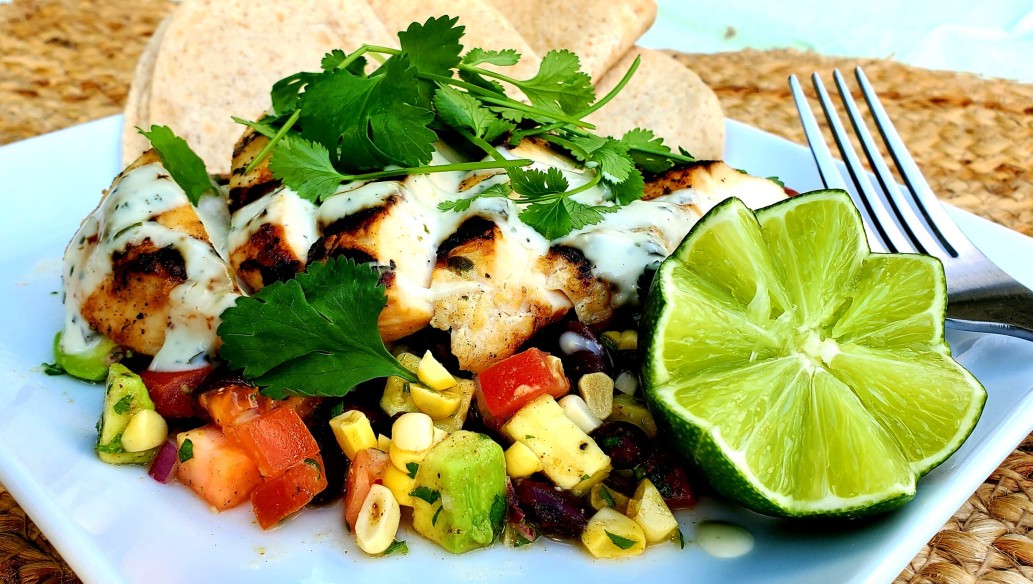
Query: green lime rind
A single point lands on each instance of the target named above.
(806, 376)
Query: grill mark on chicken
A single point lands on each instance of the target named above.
(131, 306)
(474, 228)
(345, 236)
(266, 258)
(240, 196)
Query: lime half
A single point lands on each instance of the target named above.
(804, 374)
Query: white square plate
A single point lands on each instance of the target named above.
(115, 525)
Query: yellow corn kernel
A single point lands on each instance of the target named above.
(378, 520)
(602, 496)
(353, 432)
(433, 374)
(401, 483)
(145, 430)
(396, 398)
(521, 461)
(383, 443)
(629, 340)
(597, 391)
(453, 422)
(413, 432)
(613, 338)
(609, 534)
(627, 409)
(436, 404)
(401, 458)
(648, 509)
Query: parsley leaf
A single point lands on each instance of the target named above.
(620, 541)
(559, 85)
(305, 167)
(185, 166)
(369, 122)
(314, 335)
(504, 58)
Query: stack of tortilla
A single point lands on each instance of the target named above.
(213, 59)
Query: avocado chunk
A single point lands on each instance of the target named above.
(125, 395)
(91, 364)
(459, 498)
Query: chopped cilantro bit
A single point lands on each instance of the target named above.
(679, 537)
(186, 450)
(619, 541)
(397, 547)
(497, 515)
(427, 494)
(412, 468)
(185, 166)
(52, 369)
(314, 335)
(337, 410)
(434, 518)
(123, 405)
(607, 497)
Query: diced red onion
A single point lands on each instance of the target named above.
(164, 464)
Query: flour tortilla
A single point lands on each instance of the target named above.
(137, 112)
(666, 97)
(600, 32)
(486, 27)
(218, 58)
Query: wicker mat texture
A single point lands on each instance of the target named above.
(68, 61)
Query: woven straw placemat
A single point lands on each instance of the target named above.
(67, 61)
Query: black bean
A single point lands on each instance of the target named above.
(666, 470)
(558, 514)
(626, 444)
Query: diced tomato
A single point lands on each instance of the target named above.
(172, 391)
(217, 469)
(516, 381)
(275, 440)
(366, 469)
(277, 497)
(227, 404)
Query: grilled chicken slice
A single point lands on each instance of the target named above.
(143, 271)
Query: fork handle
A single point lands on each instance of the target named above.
(995, 303)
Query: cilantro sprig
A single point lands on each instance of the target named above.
(314, 335)
(185, 166)
(344, 123)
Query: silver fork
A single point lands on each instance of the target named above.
(980, 296)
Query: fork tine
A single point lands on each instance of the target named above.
(932, 213)
(827, 167)
(893, 209)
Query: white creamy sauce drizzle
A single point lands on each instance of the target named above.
(723, 540)
(126, 216)
(282, 207)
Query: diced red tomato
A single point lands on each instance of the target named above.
(516, 381)
(172, 391)
(227, 404)
(218, 470)
(277, 497)
(275, 440)
(366, 469)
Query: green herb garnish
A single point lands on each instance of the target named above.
(313, 335)
(412, 468)
(397, 547)
(186, 450)
(52, 369)
(427, 494)
(182, 163)
(123, 405)
(619, 541)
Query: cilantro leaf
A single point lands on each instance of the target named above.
(397, 547)
(185, 166)
(608, 155)
(305, 167)
(186, 450)
(123, 405)
(479, 80)
(558, 217)
(426, 493)
(412, 468)
(369, 122)
(560, 85)
(261, 127)
(504, 58)
(332, 60)
(463, 204)
(535, 184)
(628, 190)
(433, 49)
(647, 150)
(461, 110)
(620, 541)
(52, 369)
(285, 92)
(314, 335)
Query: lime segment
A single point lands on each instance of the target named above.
(805, 375)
